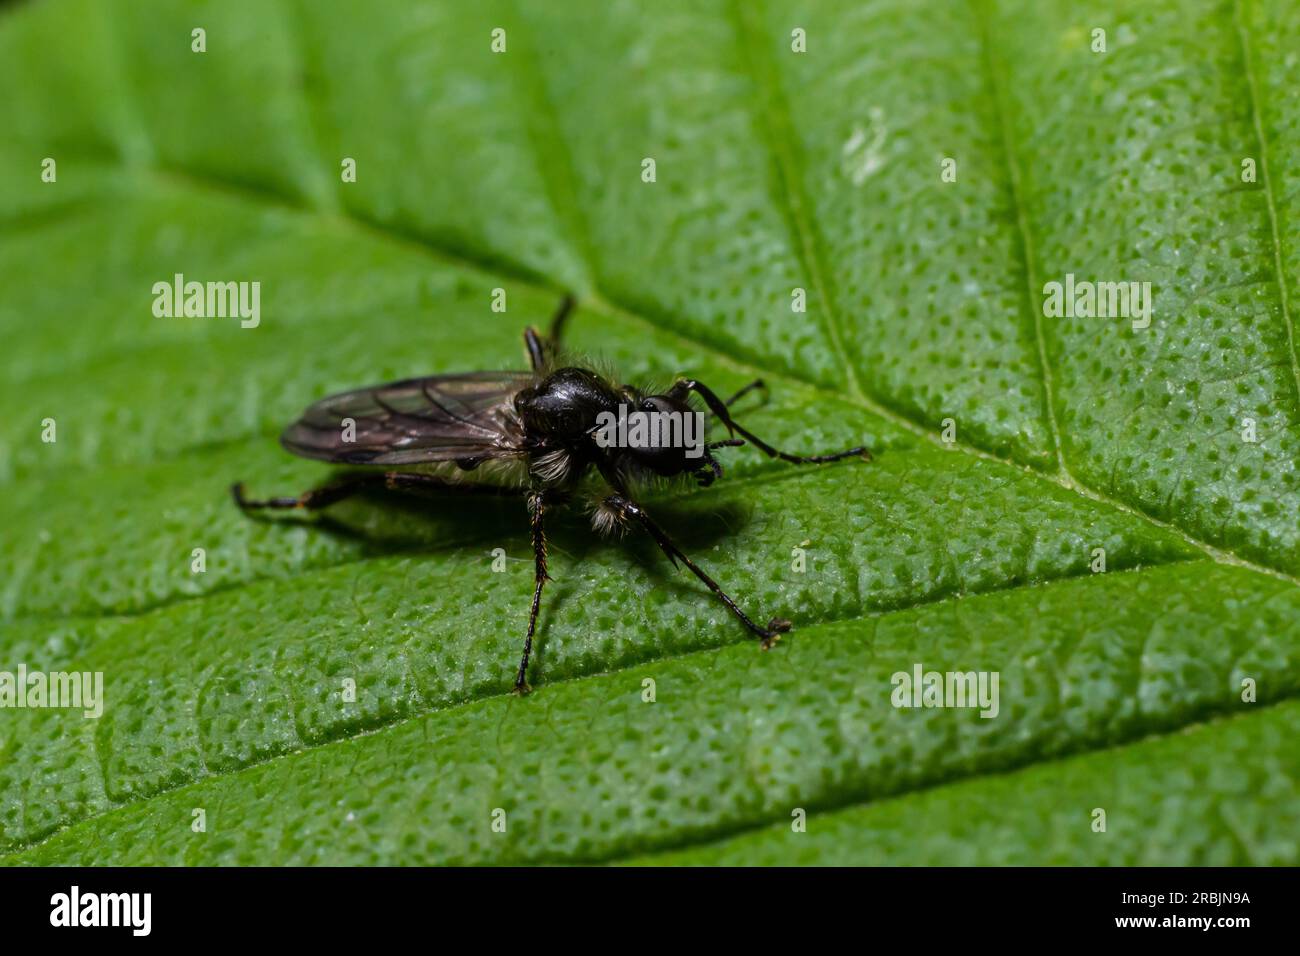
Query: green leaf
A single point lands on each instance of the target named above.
(1011, 447)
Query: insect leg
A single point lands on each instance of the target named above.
(310, 500)
(350, 485)
(626, 508)
(537, 346)
(757, 383)
(684, 386)
(555, 331)
(536, 350)
(536, 508)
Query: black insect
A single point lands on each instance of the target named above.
(533, 434)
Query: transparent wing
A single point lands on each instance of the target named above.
(468, 418)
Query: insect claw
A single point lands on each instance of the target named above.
(237, 492)
(775, 627)
(521, 689)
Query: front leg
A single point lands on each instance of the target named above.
(685, 386)
(625, 508)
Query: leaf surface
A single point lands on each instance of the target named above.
(1010, 446)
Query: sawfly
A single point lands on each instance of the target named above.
(535, 435)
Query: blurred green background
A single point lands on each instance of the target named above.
(1009, 447)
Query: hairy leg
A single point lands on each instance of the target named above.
(537, 509)
(630, 510)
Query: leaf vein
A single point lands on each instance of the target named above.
(1252, 87)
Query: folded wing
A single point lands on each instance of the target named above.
(468, 418)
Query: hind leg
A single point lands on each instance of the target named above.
(346, 487)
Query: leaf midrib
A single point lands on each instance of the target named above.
(998, 96)
(1252, 88)
(778, 137)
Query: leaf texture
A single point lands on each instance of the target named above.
(1009, 445)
